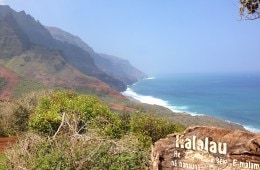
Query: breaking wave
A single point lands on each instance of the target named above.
(156, 101)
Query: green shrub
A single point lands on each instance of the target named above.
(35, 152)
(80, 132)
(90, 111)
(21, 116)
(84, 109)
(153, 126)
(14, 115)
(77, 152)
(6, 120)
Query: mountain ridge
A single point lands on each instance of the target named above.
(37, 34)
(112, 65)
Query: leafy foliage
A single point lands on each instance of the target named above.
(153, 126)
(13, 119)
(80, 132)
(14, 116)
(251, 7)
(77, 152)
(87, 109)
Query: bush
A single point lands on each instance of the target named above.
(14, 115)
(77, 152)
(153, 126)
(13, 119)
(86, 110)
(91, 113)
(7, 119)
(80, 132)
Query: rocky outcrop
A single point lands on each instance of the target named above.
(207, 148)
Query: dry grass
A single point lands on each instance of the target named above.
(77, 152)
(68, 149)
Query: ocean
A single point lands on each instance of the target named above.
(232, 97)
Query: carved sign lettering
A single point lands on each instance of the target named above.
(207, 148)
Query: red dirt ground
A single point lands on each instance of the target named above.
(120, 107)
(11, 78)
(6, 142)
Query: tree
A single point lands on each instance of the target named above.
(250, 9)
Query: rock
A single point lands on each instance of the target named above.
(207, 148)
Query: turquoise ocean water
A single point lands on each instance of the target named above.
(233, 97)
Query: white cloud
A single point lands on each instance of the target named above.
(2, 2)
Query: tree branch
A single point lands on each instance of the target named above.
(61, 124)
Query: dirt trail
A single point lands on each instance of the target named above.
(120, 107)
(11, 78)
(6, 142)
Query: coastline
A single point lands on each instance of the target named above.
(131, 95)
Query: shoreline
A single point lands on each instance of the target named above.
(131, 95)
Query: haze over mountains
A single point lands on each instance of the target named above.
(54, 57)
(113, 66)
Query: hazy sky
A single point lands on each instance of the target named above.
(158, 35)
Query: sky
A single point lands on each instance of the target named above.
(169, 36)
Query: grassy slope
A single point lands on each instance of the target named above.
(22, 86)
(25, 86)
(49, 68)
(2, 83)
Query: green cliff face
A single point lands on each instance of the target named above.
(113, 66)
(11, 43)
(20, 34)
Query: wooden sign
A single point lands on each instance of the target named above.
(207, 148)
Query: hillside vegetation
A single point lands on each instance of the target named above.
(66, 130)
(47, 67)
(25, 86)
(90, 125)
(116, 67)
(3, 83)
(21, 33)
